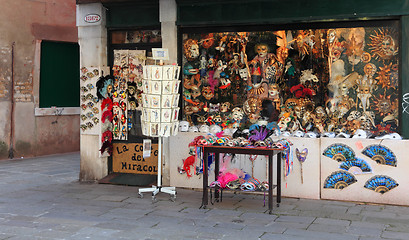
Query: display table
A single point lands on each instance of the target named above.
(270, 152)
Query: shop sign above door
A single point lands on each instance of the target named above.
(92, 18)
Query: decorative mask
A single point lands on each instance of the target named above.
(320, 112)
(191, 49)
(307, 75)
(370, 69)
(188, 110)
(207, 92)
(244, 74)
(261, 49)
(237, 114)
(183, 126)
(207, 41)
(273, 91)
(225, 107)
(354, 115)
(193, 129)
(195, 92)
(214, 108)
(204, 128)
(197, 106)
(353, 125)
(383, 44)
(217, 119)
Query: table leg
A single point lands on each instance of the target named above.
(216, 172)
(279, 155)
(205, 197)
(270, 183)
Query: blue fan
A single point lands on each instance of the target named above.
(360, 163)
(381, 155)
(339, 180)
(381, 184)
(339, 152)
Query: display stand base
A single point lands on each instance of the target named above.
(156, 189)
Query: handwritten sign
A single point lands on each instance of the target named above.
(128, 158)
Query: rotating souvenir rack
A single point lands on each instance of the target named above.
(160, 112)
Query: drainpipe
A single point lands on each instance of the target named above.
(11, 149)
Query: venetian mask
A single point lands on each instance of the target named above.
(320, 112)
(191, 49)
(237, 114)
(244, 74)
(225, 107)
(388, 46)
(384, 106)
(331, 35)
(262, 50)
(195, 92)
(353, 126)
(370, 69)
(214, 107)
(208, 41)
(207, 92)
(217, 119)
(273, 91)
(354, 115)
(188, 110)
(183, 126)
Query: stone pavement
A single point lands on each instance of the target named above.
(41, 198)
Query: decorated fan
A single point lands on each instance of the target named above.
(339, 152)
(381, 184)
(339, 180)
(356, 166)
(381, 155)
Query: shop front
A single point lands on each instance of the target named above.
(326, 83)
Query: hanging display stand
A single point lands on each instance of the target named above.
(157, 189)
(160, 113)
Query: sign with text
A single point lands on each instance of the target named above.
(128, 158)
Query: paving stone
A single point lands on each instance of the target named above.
(270, 236)
(293, 225)
(296, 219)
(398, 227)
(272, 228)
(319, 235)
(319, 227)
(346, 216)
(395, 235)
(329, 221)
(363, 231)
(359, 224)
(355, 209)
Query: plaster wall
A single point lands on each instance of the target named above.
(92, 39)
(24, 23)
(167, 17)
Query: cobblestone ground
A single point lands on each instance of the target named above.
(41, 198)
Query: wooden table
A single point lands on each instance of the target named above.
(270, 152)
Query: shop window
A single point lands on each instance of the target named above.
(322, 80)
(59, 74)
